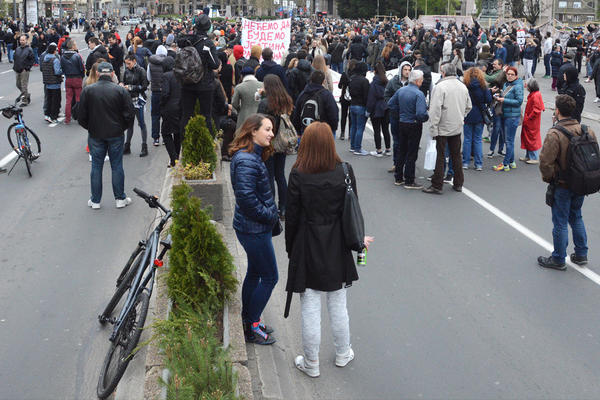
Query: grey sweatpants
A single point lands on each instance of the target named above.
(311, 321)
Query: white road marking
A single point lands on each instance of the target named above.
(591, 275)
(6, 72)
(52, 125)
(6, 160)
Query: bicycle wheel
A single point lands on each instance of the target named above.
(125, 279)
(120, 352)
(12, 138)
(35, 147)
(27, 157)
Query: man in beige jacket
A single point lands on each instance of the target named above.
(450, 103)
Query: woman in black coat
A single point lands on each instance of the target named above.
(319, 259)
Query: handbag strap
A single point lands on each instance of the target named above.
(347, 178)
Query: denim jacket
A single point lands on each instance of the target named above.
(414, 106)
(255, 209)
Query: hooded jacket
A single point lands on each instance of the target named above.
(155, 69)
(376, 106)
(395, 83)
(359, 85)
(479, 97)
(271, 67)
(573, 88)
(72, 64)
(298, 78)
(98, 52)
(328, 108)
(170, 94)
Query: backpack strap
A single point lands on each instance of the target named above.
(564, 131)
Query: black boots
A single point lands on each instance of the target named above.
(127, 148)
(144, 152)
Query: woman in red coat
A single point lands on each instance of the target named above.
(531, 139)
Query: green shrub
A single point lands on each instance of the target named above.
(198, 144)
(193, 172)
(198, 365)
(201, 270)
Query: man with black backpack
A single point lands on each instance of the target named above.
(570, 164)
(195, 72)
(315, 103)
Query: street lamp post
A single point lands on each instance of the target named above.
(14, 9)
(377, 7)
(448, 12)
(407, 8)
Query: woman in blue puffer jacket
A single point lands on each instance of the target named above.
(511, 99)
(254, 218)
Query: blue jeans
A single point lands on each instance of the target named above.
(510, 130)
(472, 144)
(36, 56)
(10, 52)
(395, 131)
(98, 150)
(338, 67)
(532, 155)
(589, 68)
(497, 134)
(261, 276)
(567, 209)
(155, 113)
(358, 120)
(139, 114)
(547, 65)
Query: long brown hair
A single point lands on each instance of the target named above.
(387, 50)
(137, 41)
(317, 150)
(380, 72)
(278, 98)
(474, 73)
(243, 137)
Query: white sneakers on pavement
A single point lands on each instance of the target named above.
(121, 203)
(310, 368)
(95, 206)
(344, 359)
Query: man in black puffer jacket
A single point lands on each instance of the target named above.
(96, 51)
(105, 110)
(23, 61)
(357, 49)
(134, 80)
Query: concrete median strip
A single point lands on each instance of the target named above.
(6, 160)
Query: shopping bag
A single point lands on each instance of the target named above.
(430, 155)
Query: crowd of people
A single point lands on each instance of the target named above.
(483, 77)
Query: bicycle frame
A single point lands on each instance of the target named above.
(21, 132)
(149, 260)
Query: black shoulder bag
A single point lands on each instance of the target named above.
(353, 223)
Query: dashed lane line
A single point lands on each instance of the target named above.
(591, 275)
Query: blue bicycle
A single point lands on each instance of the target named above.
(21, 138)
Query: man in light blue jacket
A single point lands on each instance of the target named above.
(408, 105)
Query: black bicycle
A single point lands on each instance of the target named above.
(19, 138)
(137, 277)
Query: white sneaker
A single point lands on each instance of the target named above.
(597, 99)
(344, 359)
(309, 368)
(47, 118)
(95, 206)
(123, 202)
(90, 157)
(377, 154)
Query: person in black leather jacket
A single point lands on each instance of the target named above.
(23, 61)
(105, 110)
(134, 80)
(201, 92)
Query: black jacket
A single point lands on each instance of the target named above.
(298, 78)
(170, 94)
(71, 64)
(314, 239)
(105, 109)
(329, 110)
(155, 63)
(337, 52)
(210, 61)
(560, 82)
(357, 50)
(359, 86)
(136, 77)
(24, 59)
(426, 78)
(117, 53)
(98, 52)
(573, 88)
(271, 67)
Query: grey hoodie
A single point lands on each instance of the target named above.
(395, 83)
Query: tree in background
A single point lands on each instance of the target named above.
(368, 8)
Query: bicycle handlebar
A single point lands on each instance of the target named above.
(151, 200)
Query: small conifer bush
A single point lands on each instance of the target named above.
(198, 144)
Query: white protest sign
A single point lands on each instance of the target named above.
(274, 34)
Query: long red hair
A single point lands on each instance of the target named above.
(243, 137)
(317, 150)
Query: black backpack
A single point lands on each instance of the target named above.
(311, 110)
(189, 68)
(583, 162)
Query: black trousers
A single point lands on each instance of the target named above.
(409, 136)
(382, 125)
(454, 143)
(345, 117)
(188, 104)
(54, 96)
(171, 135)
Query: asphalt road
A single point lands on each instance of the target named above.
(452, 304)
(58, 258)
